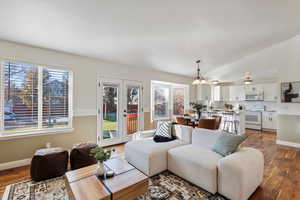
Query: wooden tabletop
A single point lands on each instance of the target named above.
(128, 182)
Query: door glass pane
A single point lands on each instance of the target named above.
(178, 101)
(161, 102)
(133, 99)
(110, 111)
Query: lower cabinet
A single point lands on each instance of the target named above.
(269, 120)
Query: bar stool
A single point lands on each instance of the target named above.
(230, 123)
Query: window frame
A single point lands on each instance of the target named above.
(40, 130)
(171, 86)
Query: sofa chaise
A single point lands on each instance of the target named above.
(150, 157)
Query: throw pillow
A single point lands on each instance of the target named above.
(158, 138)
(164, 132)
(164, 129)
(227, 144)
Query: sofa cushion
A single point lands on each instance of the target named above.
(204, 137)
(148, 156)
(195, 164)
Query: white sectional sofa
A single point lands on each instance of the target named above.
(190, 156)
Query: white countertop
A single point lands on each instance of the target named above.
(289, 113)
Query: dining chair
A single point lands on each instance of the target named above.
(181, 120)
(218, 120)
(207, 123)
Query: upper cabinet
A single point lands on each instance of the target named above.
(236, 93)
(265, 92)
(203, 93)
(254, 89)
(271, 92)
(220, 93)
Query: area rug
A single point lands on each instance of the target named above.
(52, 189)
(167, 186)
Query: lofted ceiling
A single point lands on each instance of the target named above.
(167, 35)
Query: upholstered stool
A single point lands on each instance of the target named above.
(49, 163)
(80, 155)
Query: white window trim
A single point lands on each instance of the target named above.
(39, 131)
(170, 85)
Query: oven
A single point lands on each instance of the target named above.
(253, 120)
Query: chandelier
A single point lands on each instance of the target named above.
(199, 79)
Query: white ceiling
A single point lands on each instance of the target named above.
(168, 35)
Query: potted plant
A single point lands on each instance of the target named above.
(198, 107)
(101, 155)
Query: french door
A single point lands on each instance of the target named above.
(119, 110)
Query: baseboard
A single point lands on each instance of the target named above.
(286, 143)
(14, 164)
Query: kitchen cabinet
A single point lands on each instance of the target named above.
(256, 89)
(237, 93)
(220, 93)
(269, 120)
(203, 92)
(271, 92)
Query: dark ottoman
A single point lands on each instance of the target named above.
(49, 163)
(81, 157)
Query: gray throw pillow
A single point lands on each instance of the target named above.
(227, 144)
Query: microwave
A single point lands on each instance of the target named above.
(254, 97)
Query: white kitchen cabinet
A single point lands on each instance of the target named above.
(203, 92)
(271, 92)
(254, 88)
(269, 120)
(220, 93)
(237, 93)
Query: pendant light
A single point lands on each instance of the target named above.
(248, 79)
(215, 82)
(199, 79)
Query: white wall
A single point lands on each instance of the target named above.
(86, 71)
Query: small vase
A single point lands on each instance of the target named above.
(199, 115)
(100, 170)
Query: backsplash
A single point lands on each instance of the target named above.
(257, 105)
(249, 105)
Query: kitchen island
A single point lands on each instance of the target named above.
(233, 121)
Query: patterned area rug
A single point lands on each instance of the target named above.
(167, 186)
(52, 189)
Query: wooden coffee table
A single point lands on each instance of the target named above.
(128, 182)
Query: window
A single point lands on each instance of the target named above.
(34, 98)
(161, 101)
(168, 99)
(178, 100)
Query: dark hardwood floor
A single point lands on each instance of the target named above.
(281, 177)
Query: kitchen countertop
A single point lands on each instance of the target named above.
(224, 110)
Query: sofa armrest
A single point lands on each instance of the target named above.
(147, 133)
(240, 173)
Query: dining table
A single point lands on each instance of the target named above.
(193, 121)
